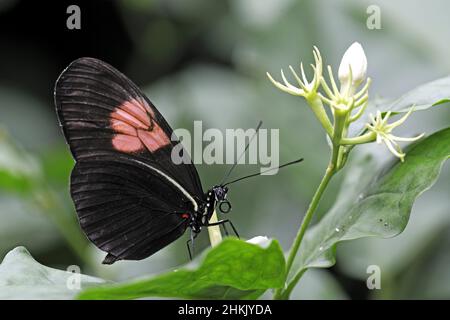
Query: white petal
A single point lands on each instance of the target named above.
(392, 137)
(401, 120)
(291, 90)
(395, 149)
(353, 58)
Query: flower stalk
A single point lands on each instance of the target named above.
(284, 294)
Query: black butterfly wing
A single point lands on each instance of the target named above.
(99, 108)
(131, 199)
(125, 208)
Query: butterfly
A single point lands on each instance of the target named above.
(131, 199)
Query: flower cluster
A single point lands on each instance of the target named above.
(346, 102)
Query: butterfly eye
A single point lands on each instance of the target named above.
(225, 206)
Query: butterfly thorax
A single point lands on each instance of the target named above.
(215, 197)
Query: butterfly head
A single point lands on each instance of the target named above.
(220, 198)
(220, 193)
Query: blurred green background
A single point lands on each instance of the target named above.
(206, 60)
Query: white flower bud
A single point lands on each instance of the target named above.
(355, 58)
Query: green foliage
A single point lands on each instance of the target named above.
(18, 169)
(374, 202)
(22, 277)
(232, 270)
(423, 97)
(56, 163)
(26, 175)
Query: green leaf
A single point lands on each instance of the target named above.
(22, 277)
(423, 97)
(18, 169)
(57, 163)
(424, 231)
(234, 269)
(374, 202)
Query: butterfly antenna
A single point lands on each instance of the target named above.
(265, 171)
(242, 154)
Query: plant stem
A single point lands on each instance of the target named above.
(291, 285)
(366, 138)
(331, 169)
(215, 237)
(317, 107)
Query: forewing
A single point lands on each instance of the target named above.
(100, 109)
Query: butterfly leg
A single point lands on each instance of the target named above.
(222, 222)
(225, 229)
(234, 229)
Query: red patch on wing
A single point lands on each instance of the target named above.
(135, 128)
(185, 215)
